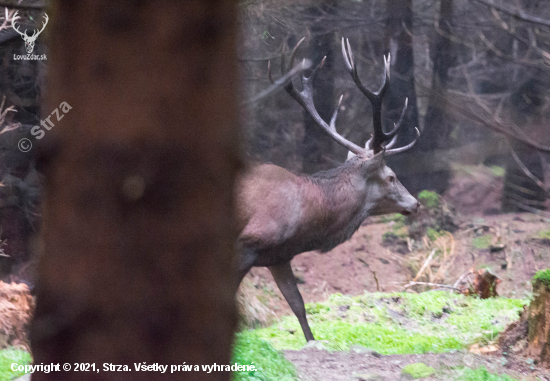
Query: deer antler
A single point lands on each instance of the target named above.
(43, 26)
(305, 99)
(24, 34)
(15, 18)
(380, 137)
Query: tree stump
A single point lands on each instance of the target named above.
(539, 319)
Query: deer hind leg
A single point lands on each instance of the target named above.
(287, 284)
(245, 261)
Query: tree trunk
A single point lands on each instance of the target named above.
(437, 122)
(520, 191)
(138, 218)
(318, 147)
(399, 42)
(400, 45)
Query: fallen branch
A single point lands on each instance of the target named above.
(430, 284)
(426, 263)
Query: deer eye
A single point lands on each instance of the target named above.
(391, 179)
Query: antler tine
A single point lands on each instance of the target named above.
(397, 126)
(349, 65)
(307, 81)
(293, 54)
(404, 148)
(332, 124)
(391, 143)
(352, 68)
(386, 80)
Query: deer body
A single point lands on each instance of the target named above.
(283, 214)
(287, 214)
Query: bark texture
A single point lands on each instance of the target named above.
(138, 217)
(539, 324)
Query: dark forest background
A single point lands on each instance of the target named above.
(476, 74)
(476, 77)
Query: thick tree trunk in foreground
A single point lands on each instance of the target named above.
(138, 224)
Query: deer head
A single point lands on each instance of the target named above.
(29, 40)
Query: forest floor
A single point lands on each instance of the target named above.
(513, 246)
(320, 365)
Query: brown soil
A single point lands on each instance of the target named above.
(320, 365)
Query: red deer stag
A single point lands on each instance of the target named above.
(285, 214)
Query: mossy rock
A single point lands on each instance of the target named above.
(417, 370)
(542, 277)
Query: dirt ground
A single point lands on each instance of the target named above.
(320, 365)
(351, 267)
(516, 252)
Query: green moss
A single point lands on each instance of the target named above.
(481, 374)
(418, 370)
(271, 365)
(429, 199)
(542, 276)
(398, 323)
(9, 356)
(482, 242)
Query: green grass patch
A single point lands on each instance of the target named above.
(542, 276)
(10, 356)
(429, 199)
(398, 323)
(418, 370)
(481, 374)
(482, 242)
(270, 363)
(544, 234)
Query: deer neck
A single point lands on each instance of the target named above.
(344, 202)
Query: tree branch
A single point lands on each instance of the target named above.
(515, 13)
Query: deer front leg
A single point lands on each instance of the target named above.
(287, 284)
